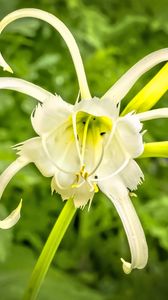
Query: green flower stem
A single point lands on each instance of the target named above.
(158, 149)
(49, 250)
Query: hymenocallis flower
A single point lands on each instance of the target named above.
(89, 145)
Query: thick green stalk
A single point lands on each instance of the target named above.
(49, 250)
(157, 149)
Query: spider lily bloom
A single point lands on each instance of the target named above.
(86, 146)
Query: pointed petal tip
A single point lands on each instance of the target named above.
(127, 267)
(12, 219)
(4, 64)
(8, 69)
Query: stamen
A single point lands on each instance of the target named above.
(114, 173)
(76, 136)
(96, 189)
(86, 176)
(111, 135)
(75, 185)
(52, 160)
(85, 137)
(99, 162)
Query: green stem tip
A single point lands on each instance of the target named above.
(49, 250)
(156, 149)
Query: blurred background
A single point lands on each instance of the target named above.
(112, 35)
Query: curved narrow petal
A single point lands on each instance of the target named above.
(33, 151)
(150, 94)
(153, 114)
(4, 65)
(10, 171)
(12, 219)
(64, 32)
(50, 115)
(116, 191)
(25, 87)
(117, 92)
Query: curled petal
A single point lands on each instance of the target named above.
(64, 32)
(25, 87)
(117, 92)
(4, 65)
(12, 219)
(7, 175)
(153, 114)
(116, 191)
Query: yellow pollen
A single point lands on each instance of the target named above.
(75, 185)
(96, 189)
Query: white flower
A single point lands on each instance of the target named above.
(87, 146)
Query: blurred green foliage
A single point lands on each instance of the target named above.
(112, 35)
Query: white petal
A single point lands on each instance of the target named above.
(115, 159)
(4, 65)
(128, 133)
(98, 107)
(132, 175)
(81, 195)
(117, 92)
(25, 87)
(12, 219)
(64, 32)
(50, 114)
(32, 149)
(10, 171)
(66, 192)
(153, 114)
(61, 149)
(116, 191)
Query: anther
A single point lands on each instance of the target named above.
(96, 189)
(102, 133)
(85, 175)
(77, 177)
